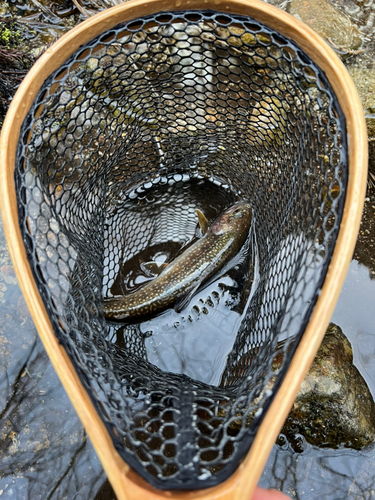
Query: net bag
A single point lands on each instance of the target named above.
(127, 125)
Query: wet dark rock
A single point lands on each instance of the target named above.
(334, 406)
(106, 492)
(364, 251)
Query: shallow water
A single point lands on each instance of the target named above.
(44, 451)
(342, 473)
(335, 474)
(354, 313)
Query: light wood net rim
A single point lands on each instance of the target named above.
(126, 483)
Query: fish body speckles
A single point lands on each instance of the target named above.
(187, 272)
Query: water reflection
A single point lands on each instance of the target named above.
(336, 474)
(45, 453)
(322, 474)
(354, 313)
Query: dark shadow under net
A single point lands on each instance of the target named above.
(189, 95)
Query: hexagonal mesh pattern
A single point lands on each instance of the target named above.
(142, 125)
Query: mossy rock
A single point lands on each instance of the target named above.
(334, 406)
(328, 22)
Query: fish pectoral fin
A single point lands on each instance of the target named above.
(203, 222)
(184, 300)
(152, 268)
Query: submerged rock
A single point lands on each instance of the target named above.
(364, 80)
(328, 22)
(334, 406)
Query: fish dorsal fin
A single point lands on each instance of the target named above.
(152, 268)
(184, 300)
(203, 222)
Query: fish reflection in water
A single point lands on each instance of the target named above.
(180, 279)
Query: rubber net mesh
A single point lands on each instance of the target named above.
(147, 122)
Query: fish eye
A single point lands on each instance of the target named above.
(237, 214)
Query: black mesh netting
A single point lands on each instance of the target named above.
(147, 122)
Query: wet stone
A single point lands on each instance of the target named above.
(364, 251)
(364, 79)
(328, 22)
(334, 406)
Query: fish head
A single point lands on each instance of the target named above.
(236, 218)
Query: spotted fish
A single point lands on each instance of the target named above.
(180, 279)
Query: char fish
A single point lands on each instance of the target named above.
(181, 278)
